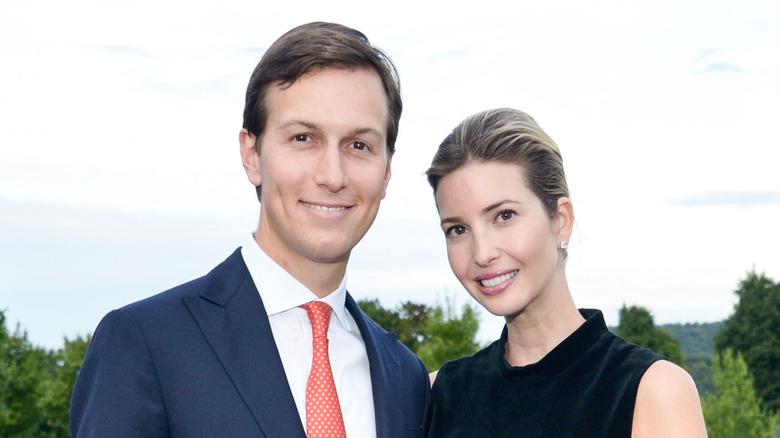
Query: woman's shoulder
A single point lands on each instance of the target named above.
(667, 403)
(627, 354)
(465, 367)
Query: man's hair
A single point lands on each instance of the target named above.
(312, 47)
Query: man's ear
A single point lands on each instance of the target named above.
(564, 219)
(388, 172)
(250, 156)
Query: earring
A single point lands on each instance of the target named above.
(564, 244)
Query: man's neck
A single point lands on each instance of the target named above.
(321, 278)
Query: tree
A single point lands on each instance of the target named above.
(736, 409)
(408, 321)
(703, 373)
(36, 384)
(637, 326)
(753, 330)
(436, 334)
(23, 369)
(56, 391)
(451, 335)
(695, 338)
(695, 341)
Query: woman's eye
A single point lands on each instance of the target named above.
(455, 230)
(505, 215)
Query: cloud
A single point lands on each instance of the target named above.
(446, 55)
(125, 50)
(252, 50)
(711, 62)
(722, 67)
(731, 198)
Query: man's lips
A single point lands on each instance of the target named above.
(495, 278)
(324, 207)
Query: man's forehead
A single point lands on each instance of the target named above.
(330, 95)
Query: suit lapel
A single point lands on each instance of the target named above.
(231, 316)
(383, 365)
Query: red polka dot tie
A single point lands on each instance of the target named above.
(323, 412)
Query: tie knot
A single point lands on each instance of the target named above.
(319, 316)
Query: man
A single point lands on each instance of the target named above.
(231, 353)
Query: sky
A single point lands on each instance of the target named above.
(120, 174)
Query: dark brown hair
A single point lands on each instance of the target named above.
(315, 46)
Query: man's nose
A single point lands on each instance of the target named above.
(330, 171)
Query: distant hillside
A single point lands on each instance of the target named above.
(696, 343)
(695, 339)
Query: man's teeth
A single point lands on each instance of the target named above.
(324, 208)
(498, 280)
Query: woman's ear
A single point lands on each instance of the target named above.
(564, 219)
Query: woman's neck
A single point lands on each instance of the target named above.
(537, 330)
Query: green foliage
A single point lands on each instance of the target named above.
(23, 369)
(35, 385)
(408, 321)
(436, 334)
(736, 410)
(696, 343)
(753, 330)
(637, 326)
(451, 335)
(695, 338)
(703, 374)
(55, 400)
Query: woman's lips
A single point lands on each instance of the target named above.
(495, 282)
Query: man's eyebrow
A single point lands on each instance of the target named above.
(296, 123)
(366, 130)
(315, 127)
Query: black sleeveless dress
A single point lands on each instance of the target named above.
(584, 387)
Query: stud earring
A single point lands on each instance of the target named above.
(564, 244)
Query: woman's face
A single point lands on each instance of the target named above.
(501, 243)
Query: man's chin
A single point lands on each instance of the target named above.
(330, 252)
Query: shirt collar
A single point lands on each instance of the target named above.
(281, 292)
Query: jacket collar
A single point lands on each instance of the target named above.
(233, 320)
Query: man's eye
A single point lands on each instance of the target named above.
(301, 137)
(359, 145)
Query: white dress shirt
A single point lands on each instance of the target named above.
(282, 294)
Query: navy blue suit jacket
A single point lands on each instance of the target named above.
(200, 360)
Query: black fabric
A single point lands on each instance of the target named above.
(584, 387)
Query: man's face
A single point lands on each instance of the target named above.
(323, 165)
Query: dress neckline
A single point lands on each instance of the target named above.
(574, 346)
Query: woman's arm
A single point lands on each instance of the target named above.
(667, 404)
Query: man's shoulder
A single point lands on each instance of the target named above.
(231, 271)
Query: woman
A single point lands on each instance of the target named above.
(556, 371)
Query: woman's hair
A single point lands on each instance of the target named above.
(509, 136)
